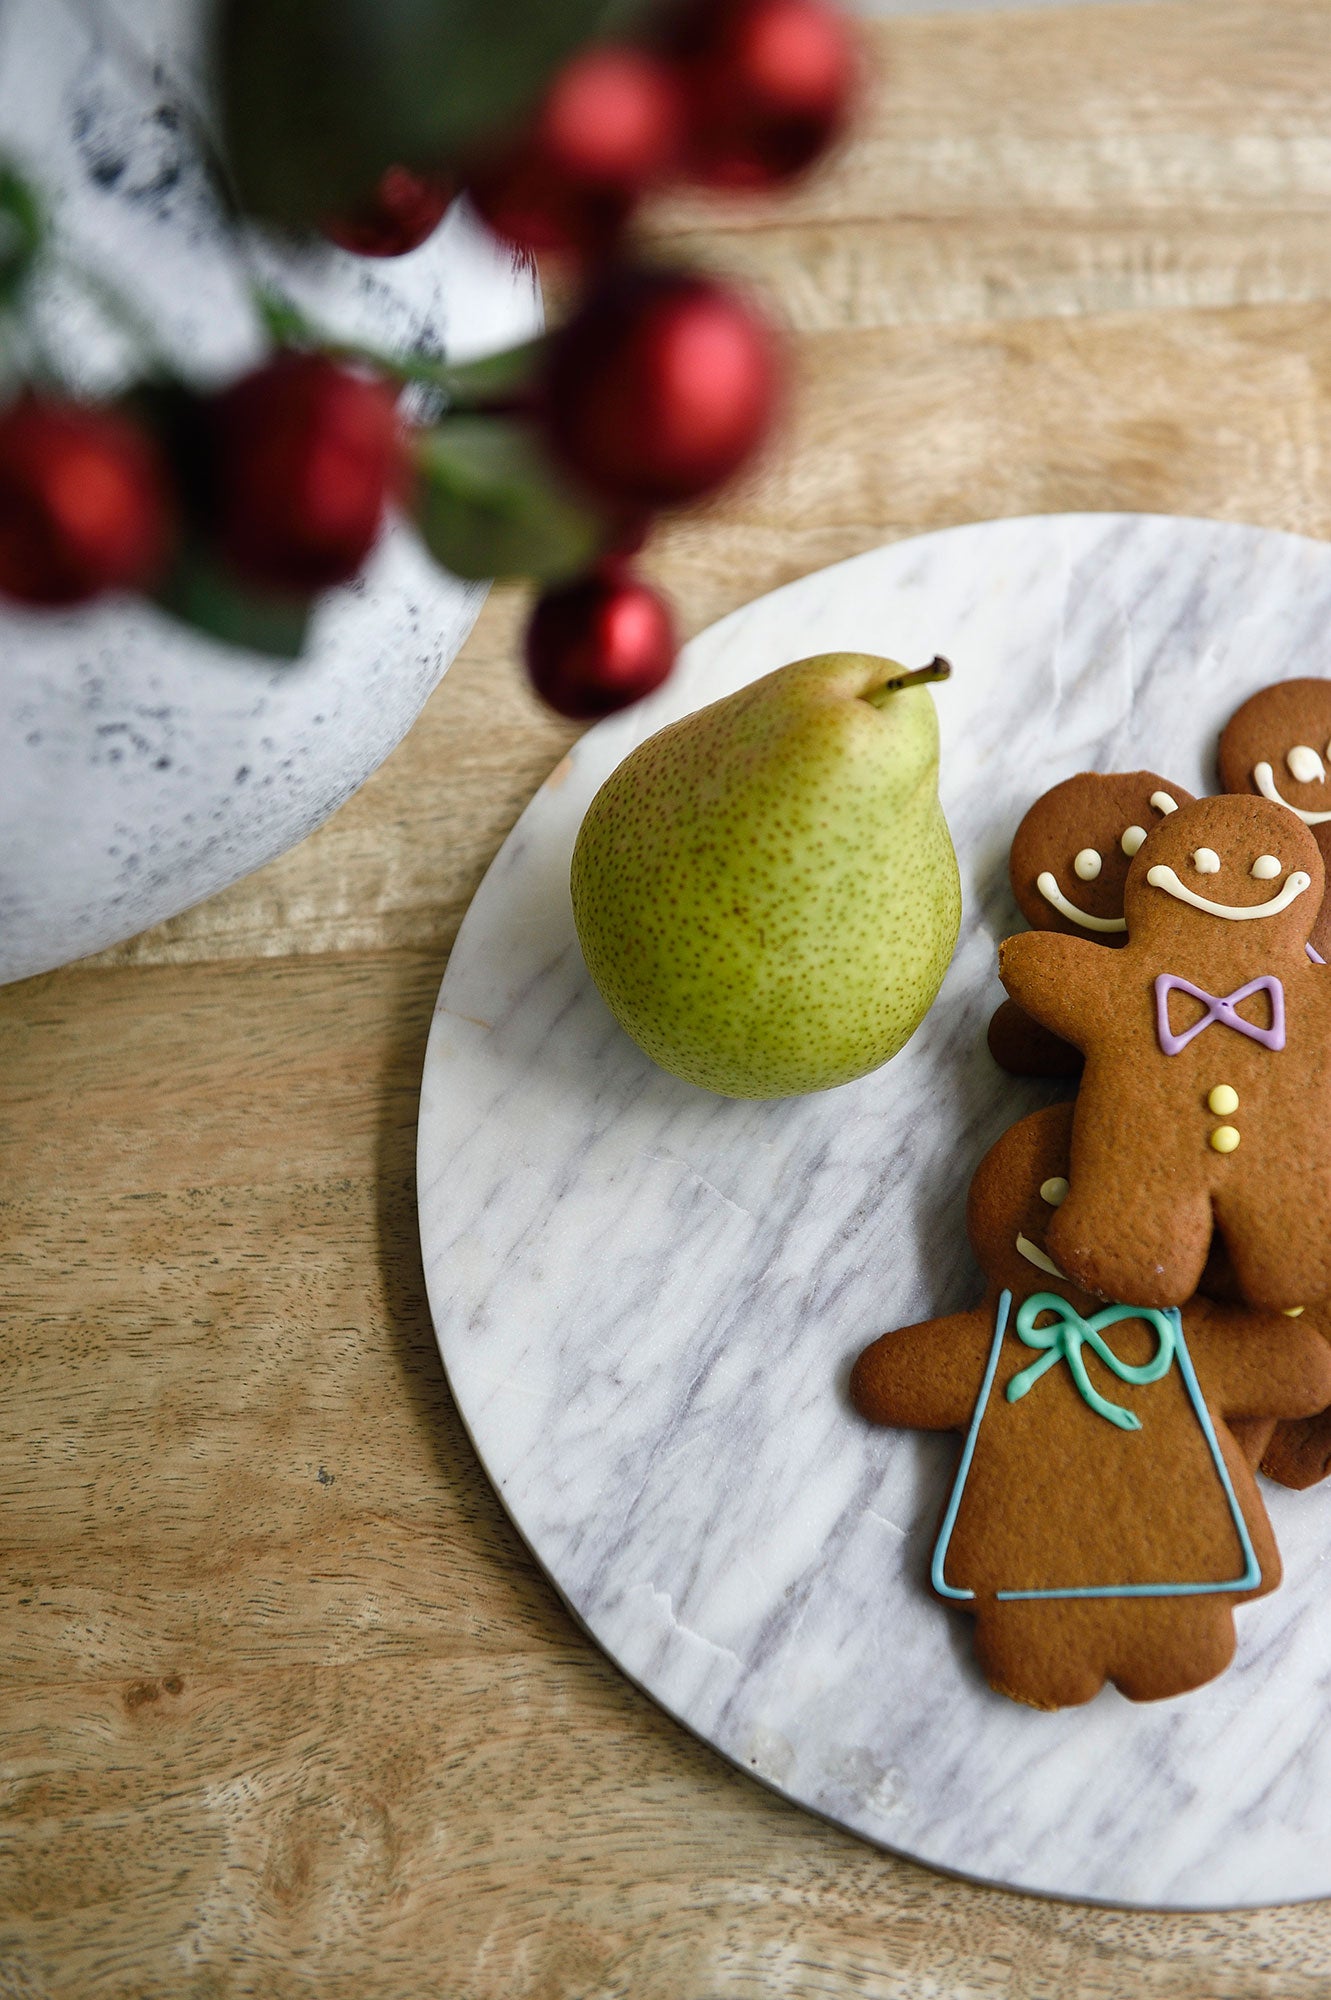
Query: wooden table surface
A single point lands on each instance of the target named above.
(285, 1707)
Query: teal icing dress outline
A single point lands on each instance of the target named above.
(1064, 1344)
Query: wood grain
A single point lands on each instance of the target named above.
(285, 1707)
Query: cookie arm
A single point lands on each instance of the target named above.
(925, 1377)
(1258, 1364)
(1061, 980)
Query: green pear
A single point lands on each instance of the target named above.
(766, 893)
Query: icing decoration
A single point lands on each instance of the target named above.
(1265, 868)
(1225, 1138)
(1040, 1258)
(1291, 1312)
(1223, 1009)
(1224, 1100)
(1206, 861)
(1162, 803)
(1315, 956)
(1305, 766)
(1264, 779)
(1247, 1579)
(1069, 1333)
(1051, 892)
(1087, 865)
(1133, 836)
(1054, 1190)
(1163, 877)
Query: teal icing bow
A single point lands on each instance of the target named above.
(1065, 1338)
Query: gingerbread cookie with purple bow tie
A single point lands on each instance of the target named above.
(1206, 1096)
(1101, 1521)
(1069, 862)
(1278, 746)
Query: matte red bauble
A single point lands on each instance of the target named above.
(84, 503)
(609, 127)
(405, 209)
(303, 456)
(660, 386)
(599, 644)
(768, 84)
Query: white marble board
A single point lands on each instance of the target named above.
(648, 1298)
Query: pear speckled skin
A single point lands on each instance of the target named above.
(766, 893)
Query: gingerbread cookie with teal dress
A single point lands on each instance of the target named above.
(1205, 1101)
(1068, 865)
(1101, 1523)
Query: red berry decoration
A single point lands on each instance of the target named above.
(609, 127)
(84, 503)
(599, 644)
(660, 386)
(303, 456)
(768, 85)
(403, 211)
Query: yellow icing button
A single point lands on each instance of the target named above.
(1225, 1138)
(1224, 1100)
(1291, 1312)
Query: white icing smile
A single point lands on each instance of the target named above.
(1265, 780)
(1051, 892)
(1161, 877)
(1035, 1255)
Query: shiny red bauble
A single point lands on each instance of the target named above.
(403, 211)
(609, 127)
(660, 386)
(768, 84)
(599, 644)
(302, 457)
(85, 504)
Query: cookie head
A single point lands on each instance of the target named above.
(1241, 875)
(1017, 1189)
(1072, 851)
(1278, 746)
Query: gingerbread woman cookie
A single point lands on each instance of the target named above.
(1068, 865)
(1102, 1522)
(1206, 1096)
(1279, 746)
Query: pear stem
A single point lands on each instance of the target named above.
(938, 669)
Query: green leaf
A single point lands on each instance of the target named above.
(21, 232)
(489, 503)
(319, 96)
(204, 594)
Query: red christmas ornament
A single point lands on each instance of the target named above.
(768, 85)
(302, 458)
(599, 644)
(403, 211)
(84, 503)
(609, 126)
(660, 386)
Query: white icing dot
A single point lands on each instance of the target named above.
(1054, 1191)
(1133, 836)
(1206, 861)
(1162, 803)
(1305, 765)
(1266, 868)
(1087, 864)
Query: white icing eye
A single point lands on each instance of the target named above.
(1162, 803)
(1133, 836)
(1054, 1191)
(1266, 868)
(1206, 861)
(1306, 765)
(1087, 865)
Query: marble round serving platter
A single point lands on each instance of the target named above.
(648, 1298)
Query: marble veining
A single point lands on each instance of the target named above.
(648, 1298)
(143, 767)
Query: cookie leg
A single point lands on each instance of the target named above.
(1181, 1643)
(1037, 1654)
(1276, 1266)
(1299, 1452)
(1132, 1239)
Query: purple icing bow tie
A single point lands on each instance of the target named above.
(1223, 1009)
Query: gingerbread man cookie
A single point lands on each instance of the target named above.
(1278, 745)
(1206, 1096)
(1102, 1522)
(1068, 865)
